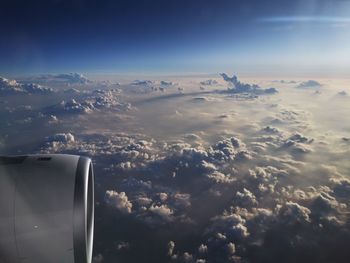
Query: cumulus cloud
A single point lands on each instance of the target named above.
(223, 192)
(163, 211)
(71, 106)
(231, 248)
(341, 187)
(246, 198)
(118, 200)
(239, 87)
(293, 212)
(89, 102)
(297, 144)
(219, 177)
(10, 87)
(62, 137)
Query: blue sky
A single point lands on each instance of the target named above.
(175, 36)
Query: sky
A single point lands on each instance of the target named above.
(175, 36)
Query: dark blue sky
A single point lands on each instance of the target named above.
(173, 36)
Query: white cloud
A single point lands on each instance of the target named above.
(90, 102)
(62, 137)
(245, 181)
(221, 178)
(171, 247)
(9, 87)
(118, 200)
(231, 248)
(163, 211)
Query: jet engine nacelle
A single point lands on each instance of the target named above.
(46, 209)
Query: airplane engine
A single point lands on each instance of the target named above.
(46, 209)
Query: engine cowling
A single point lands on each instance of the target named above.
(46, 209)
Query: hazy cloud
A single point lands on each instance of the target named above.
(310, 84)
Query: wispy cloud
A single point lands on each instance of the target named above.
(302, 19)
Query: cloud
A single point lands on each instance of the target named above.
(202, 249)
(310, 84)
(149, 86)
(219, 178)
(292, 212)
(231, 248)
(123, 246)
(90, 102)
(119, 201)
(193, 137)
(182, 200)
(143, 201)
(209, 82)
(98, 258)
(324, 203)
(65, 79)
(262, 188)
(10, 87)
(245, 198)
(231, 223)
(166, 83)
(202, 99)
(342, 93)
(239, 87)
(163, 211)
(269, 129)
(142, 82)
(285, 81)
(171, 247)
(341, 187)
(62, 137)
(71, 106)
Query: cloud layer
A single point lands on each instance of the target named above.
(235, 174)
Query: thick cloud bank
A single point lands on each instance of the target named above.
(201, 175)
(256, 209)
